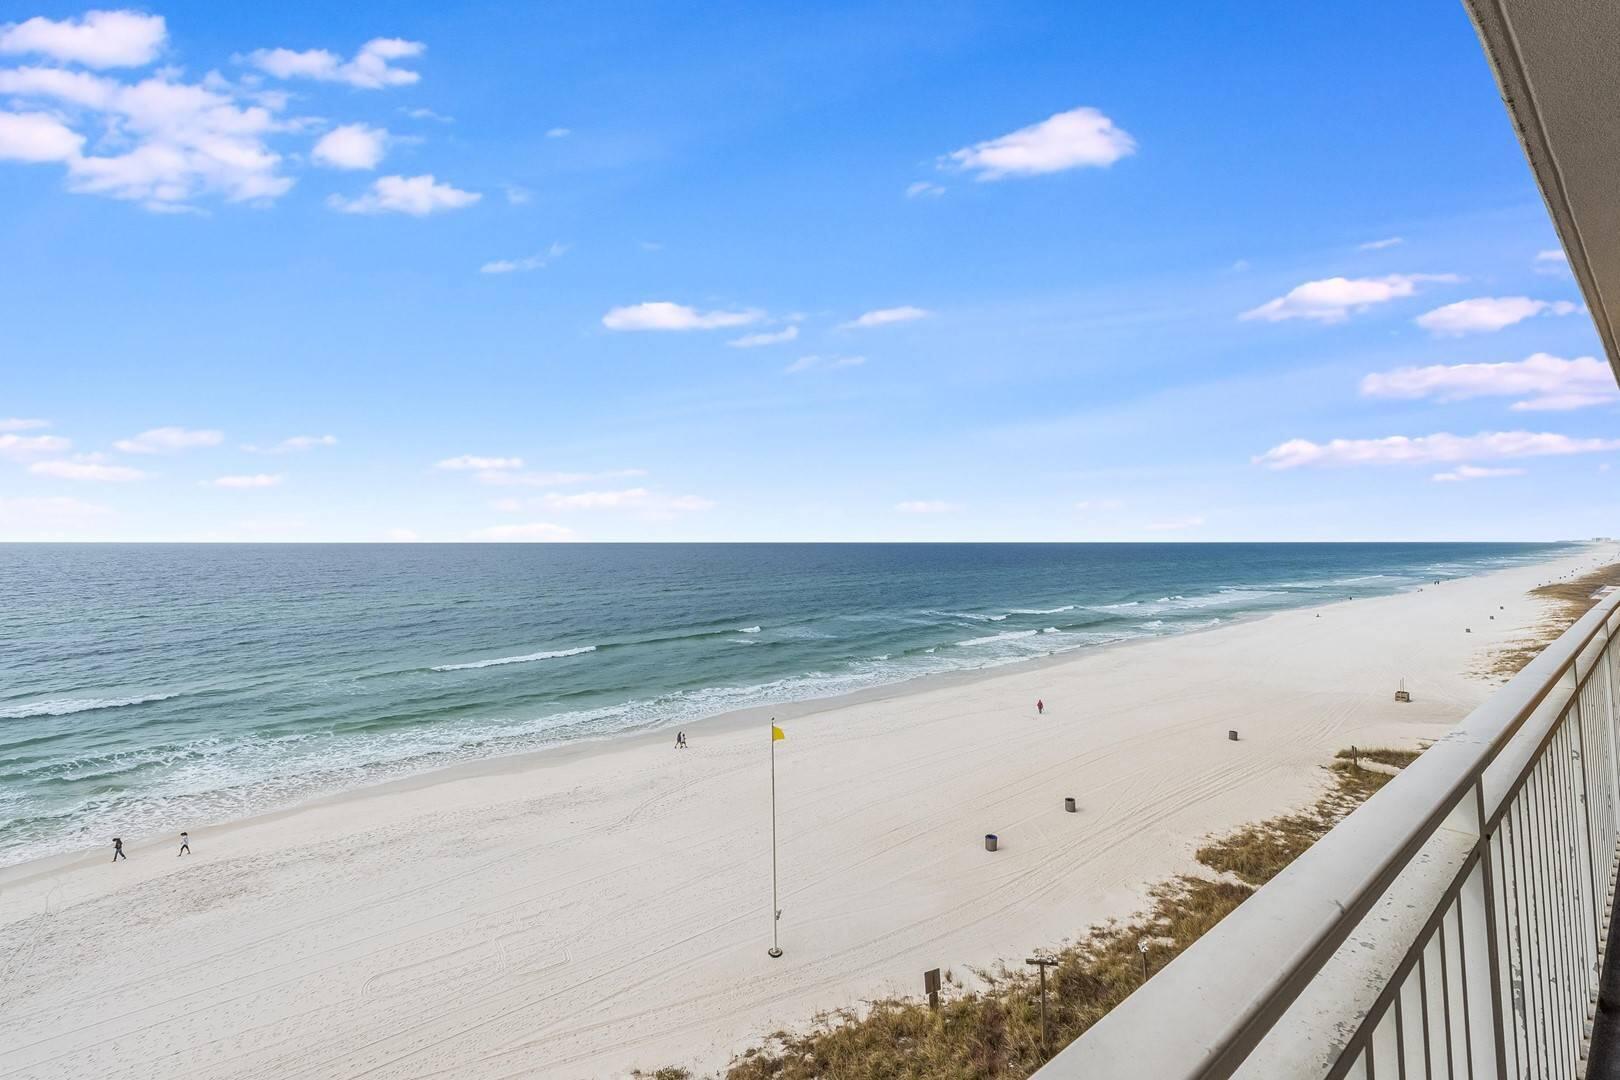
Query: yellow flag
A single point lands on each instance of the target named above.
(777, 733)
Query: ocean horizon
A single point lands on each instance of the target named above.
(154, 687)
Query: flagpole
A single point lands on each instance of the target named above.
(776, 912)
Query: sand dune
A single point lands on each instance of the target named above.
(584, 912)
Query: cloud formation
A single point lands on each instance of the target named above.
(1474, 472)
(352, 146)
(923, 187)
(1079, 138)
(1486, 314)
(168, 440)
(86, 470)
(16, 447)
(886, 317)
(253, 480)
(664, 315)
(926, 506)
(1543, 382)
(100, 39)
(372, 68)
(417, 196)
(1335, 299)
(525, 264)
(1380, 245)
(1442, 448)
(18, 423)
(476, 463)
(769, 337)
(823, 363)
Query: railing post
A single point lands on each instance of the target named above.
(1488, 887)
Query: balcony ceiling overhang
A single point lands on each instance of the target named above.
(1557, 63)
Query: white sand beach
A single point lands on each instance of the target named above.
(589, 911)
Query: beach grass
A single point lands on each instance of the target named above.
(994, 1030)
(1569, 601)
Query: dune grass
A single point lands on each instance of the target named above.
(995, 1030)
(1569, 601)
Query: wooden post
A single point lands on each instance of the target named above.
(1043, 962)
(931, 987)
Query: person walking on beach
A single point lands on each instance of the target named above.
(680, 740)
(118, 850)
(1040, 707)
(185, 845)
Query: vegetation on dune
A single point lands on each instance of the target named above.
(1570, 600)
(995, 1030)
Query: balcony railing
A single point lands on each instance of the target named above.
(1452, 926)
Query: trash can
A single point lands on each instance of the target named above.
(1232, 734)
(989, 841)
(1068, 804)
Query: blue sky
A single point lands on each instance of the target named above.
(756, 272)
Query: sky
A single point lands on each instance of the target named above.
(740, 271)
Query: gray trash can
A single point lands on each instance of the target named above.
(989, 841)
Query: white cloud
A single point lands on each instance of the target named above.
(926, 506)
(494, 478)
(1175, 524)
(86, 470)
(533, 531)
(427, 114)
(414, 195)
(1473, 472)
(1543, 382)
(924, 187)
(474, 462)
(1486, 314)
(18, 423)
(253, 480)
(401, 536)
(18, 447)
(1098, 504)
(517, 196)
(36, 138)
(823, 363)
(627, 499)
(352, 146)
(1380, 245)
(100, 39)
(372, 68)
(1443, 448)
(168, 440)
(887, 316)
(559, 133)
(525, 264)
(163, 143)
(1079, 138)
(777, 337)
(295, 444)
(1551, 261)
(663, 315)
(1333, 300)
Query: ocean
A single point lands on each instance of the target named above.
(147, 688)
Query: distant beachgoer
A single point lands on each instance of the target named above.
(185, 844)
(680, 740)
(118, 850)
(1040, 707)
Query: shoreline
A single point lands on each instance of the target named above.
(588, 909)
(729, 721)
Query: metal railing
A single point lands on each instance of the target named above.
(1452, 926)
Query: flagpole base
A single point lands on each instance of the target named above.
(773, 952)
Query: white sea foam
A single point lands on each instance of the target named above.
(1010, 635)
(749, 630)
(65, 706)
(524, 659)
(972, 616)
(1041, 611)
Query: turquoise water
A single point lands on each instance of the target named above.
(151, 687)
